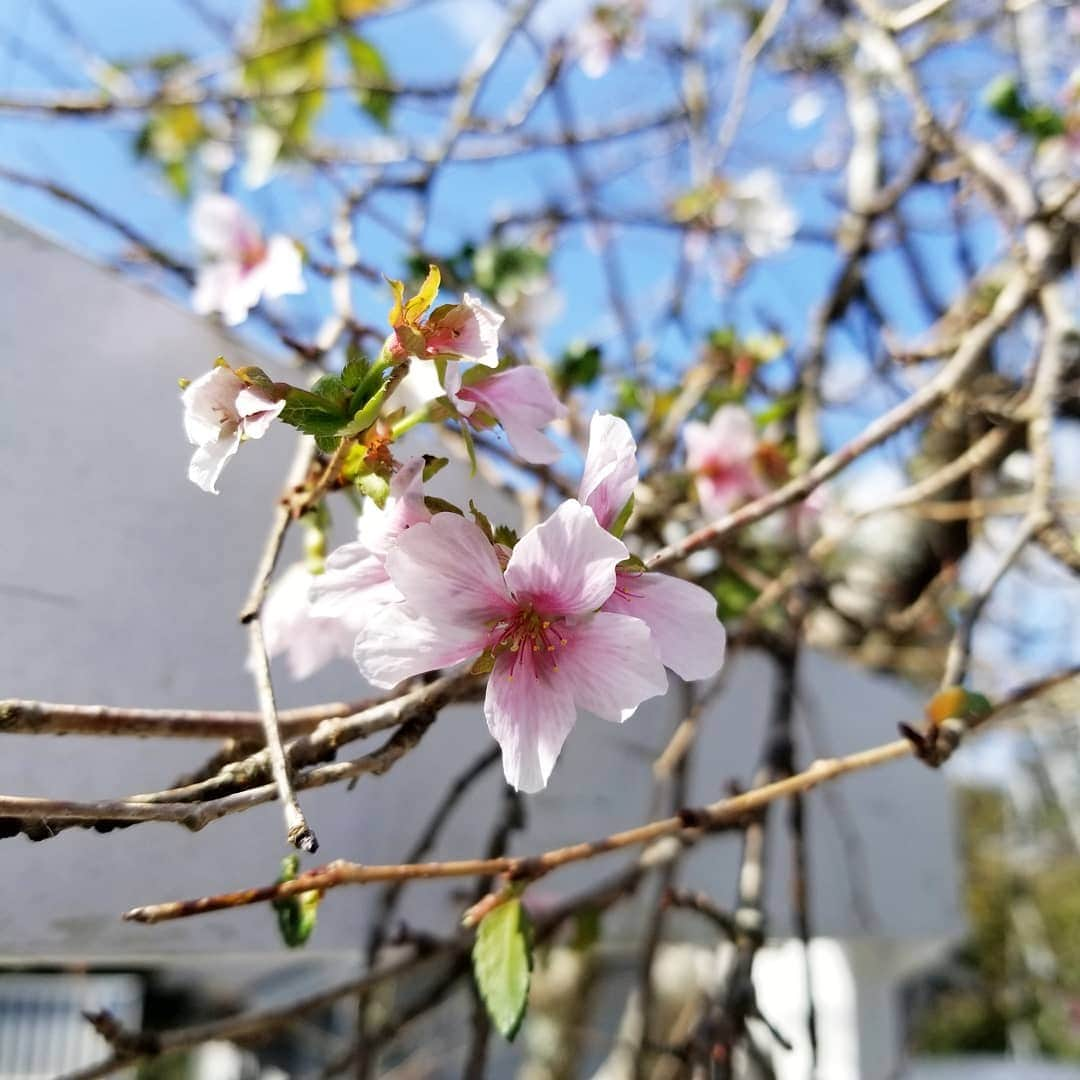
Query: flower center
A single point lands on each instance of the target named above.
(251, 255)
(527, 633)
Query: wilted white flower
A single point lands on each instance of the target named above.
(221, 410)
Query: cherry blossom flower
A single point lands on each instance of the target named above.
(609, 30)
(468, 331)
(295, 627)
(520, 399)
(220, 411)
(754, 206)
(551, 650)
(465, 331)
(681, 616)
(356, 577)
(241, 267)
(721, 456)
(562, 622)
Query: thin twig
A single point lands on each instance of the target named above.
(297, 830)
(530, 868)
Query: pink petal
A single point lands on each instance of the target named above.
(611, 471)
(258, 411)
(479, 325)
(448, 571)
(405, 507)
(523, 402)
(681, 617)
(224, 287)
(223, 228)
(452, 384)
(294, 628)
(394, 643)
(353, 580)
(530, 715)
(610, 666)
(566, 565)
(719, 492)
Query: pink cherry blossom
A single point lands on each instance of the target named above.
(294, 627)
(681, 616)
(465, 331)
(240, 266)
(611, 469)
(468, 330)
(721, 456)
(552, 650)
(520, 400)
(220, 410)
(355, 576)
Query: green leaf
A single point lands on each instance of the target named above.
(618, 526)
(579, 366)
(1002, 96)
(470, 447)
(312, 414)
(507, 273)
(332, 389)
(296, 915)
(1042, 122)
(482, 521)
(375, 487)
(587, 929)
(506, 536)
(291, 57)
(354, 372)
(780, 409)
(502, 965)
(441, 506)
(956, 702)
(433, 465)
(363, 418)
(1005, 98)
(733, 595)
(371, 73)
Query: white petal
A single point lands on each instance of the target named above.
(209, 459)
(284, 268)
(395, 644)
(530, 716)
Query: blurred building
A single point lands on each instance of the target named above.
(119, 583)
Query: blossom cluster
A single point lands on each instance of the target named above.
(562, 619)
